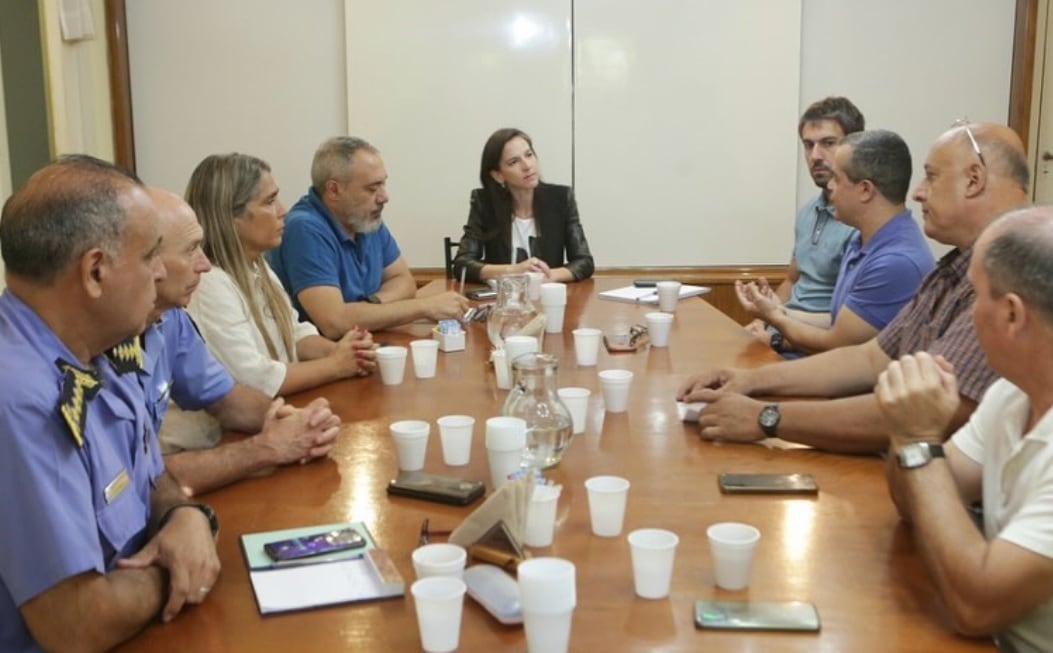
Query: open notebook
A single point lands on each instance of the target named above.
(634, 295)
(362, 574)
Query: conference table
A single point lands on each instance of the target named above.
(845, 549)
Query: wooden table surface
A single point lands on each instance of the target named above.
(846, 550)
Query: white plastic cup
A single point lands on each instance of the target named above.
(534, 289)
(553, 303)
(547, 632)
(455, 433)
(439, 602)
(516, 346)
(653, 551)
(392, 363)
(587, 346)
(441, 559)
(547, 595)
(658, 327)
(615, 385)
(577, 402)
(607, 497)
(501, 371)
(411, 443)
(505, 441)
(554, 317)
(553, 294)
(541, 515)
(425, 357)
(731, 545)
(668, 296)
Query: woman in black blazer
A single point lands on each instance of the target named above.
(519, 224)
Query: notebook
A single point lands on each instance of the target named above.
(362, 574)
(634, 295)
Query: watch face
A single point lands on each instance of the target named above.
(913, 455)
(769, 416)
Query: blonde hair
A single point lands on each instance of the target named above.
(219, 191)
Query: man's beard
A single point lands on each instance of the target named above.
(365, 225)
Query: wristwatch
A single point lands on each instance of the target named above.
(213, 521)
(373, 299)
(769, 419)
(918, 454)
(776, 341)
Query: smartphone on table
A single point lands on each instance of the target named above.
(315, 544)
(757, 615)
(431, 487)
(767, 484)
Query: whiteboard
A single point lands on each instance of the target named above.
(685, 130)
(428, 82)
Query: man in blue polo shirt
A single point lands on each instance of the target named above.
(884, 262)
(98, 539)
(338, 261)
(192, 397)
(819, 239)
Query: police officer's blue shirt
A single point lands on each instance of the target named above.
(178, 366)
(316, 251)
(819, 243)
(67, 508)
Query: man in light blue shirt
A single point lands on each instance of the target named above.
(819, 239)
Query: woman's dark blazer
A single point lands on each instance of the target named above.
(558, 229)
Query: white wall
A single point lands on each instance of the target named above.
(264, 77)
(78, 85)
(269, 77)
(912, 67)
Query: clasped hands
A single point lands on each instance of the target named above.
(917, 394)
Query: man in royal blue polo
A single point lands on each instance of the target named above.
(338, 261)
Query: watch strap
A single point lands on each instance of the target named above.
(769, 419)
(204, 508)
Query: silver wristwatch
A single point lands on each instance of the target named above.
(918, 454)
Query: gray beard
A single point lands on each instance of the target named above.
(365, 225)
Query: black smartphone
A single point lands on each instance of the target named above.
(767, 484)
(480, 294)
(314, 545)
(757, 615)
(645, 283)
(441, 489)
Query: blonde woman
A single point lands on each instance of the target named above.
(243, 313)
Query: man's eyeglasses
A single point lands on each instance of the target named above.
(964, 124)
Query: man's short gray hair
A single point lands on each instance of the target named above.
(332, 160)
(1019, 258)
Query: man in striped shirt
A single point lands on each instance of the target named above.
(973, 174)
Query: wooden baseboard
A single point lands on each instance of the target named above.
(720, 278)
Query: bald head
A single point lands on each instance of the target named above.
(1000, 147)
(972, 175)
(66, 208)
(181, 240)
(1016, 252)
